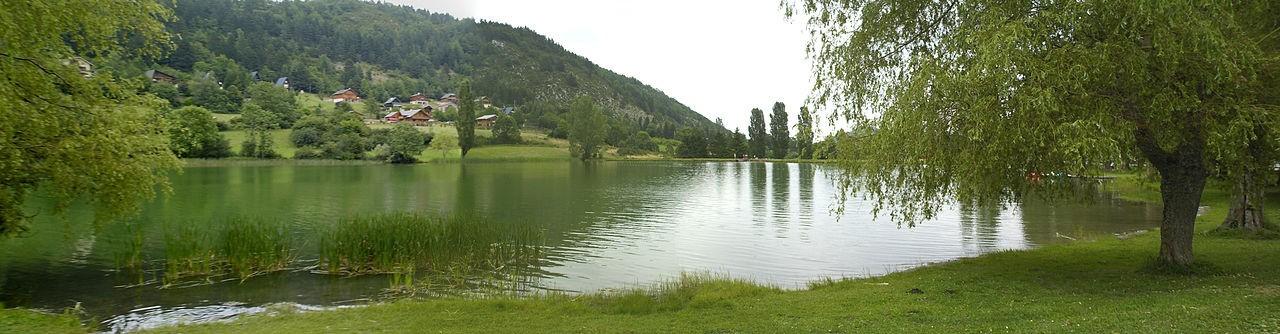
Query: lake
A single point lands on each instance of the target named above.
(606, 225)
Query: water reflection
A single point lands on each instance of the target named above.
(607, 224)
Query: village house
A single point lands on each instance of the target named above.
(282, 82)
(345, 95)
(450, 98)
(419, 99)
(157, 76)
(415, 116)
(485, 102)
(486, 121)
(392, 103)
(508, 110)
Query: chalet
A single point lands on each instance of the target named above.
(419, 99)
(508, 110)
(393, 117)
(451, 98)
(485, 102)
(345, 95)
(282, 82)
(392, 103)
(157, 76)
(486, 121)
(417, 116)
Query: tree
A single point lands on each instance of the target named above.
(278, 101)
(506, 130)
(444, 144)
(693, 143)
(779, 133)
(194, 134)
(72, 136)
(258, 124)
(405, 143)
(466, 123)
(758, 145)
(804, 133)
(586, 128)
(207, 93)
(972, 101)
(738, 143)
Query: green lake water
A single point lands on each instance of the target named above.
(606, 225)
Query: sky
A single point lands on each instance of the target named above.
(719, 57)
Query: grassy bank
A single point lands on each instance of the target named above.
(1104, 285)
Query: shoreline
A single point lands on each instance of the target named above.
(1100, 284)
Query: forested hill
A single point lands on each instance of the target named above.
(400, 50)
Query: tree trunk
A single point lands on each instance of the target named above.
(1181, 185)
(1183, 172)
(1246, 212)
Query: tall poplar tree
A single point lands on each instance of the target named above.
(466, 122)
(779, 133)
(758, 144)
(804, 133)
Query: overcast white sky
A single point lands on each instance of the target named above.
(719, 57)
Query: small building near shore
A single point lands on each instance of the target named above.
(486, 121)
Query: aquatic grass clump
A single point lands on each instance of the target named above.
(240, 246)
(254, 247)
(189, 252)
(400, 243)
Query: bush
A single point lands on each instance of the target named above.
(506, 130)
(305, 153)
(194, 134)
(405, 144)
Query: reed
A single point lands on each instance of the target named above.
(242, 247)
(400, 243)
(254, 247)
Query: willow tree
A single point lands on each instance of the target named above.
(972, 101)
(73, 133)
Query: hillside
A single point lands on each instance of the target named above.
(398, 51)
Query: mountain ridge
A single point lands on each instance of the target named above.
(401, 50)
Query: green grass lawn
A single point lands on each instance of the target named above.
(279, 140)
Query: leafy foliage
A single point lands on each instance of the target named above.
(278, 101)
(194, 134)
(466, 123)
(779, 132)
(758, 145)
(405, 144)
(693, 143)
(506, 130)
(586, 129)
(804, 133)
(258, 124)
(969, 98)
(78, 135)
